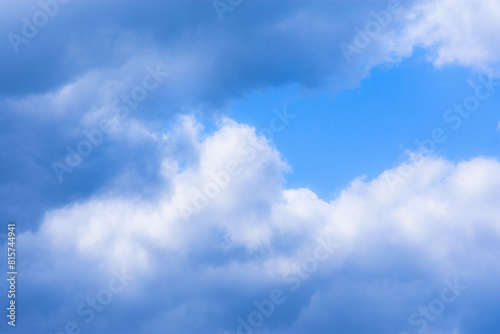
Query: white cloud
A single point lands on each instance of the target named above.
(444, 215)
(463, 32)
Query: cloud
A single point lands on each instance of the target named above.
(397, 245)
(454, 32)
(211, 63)
(65, 79)
(199, 272)
(257, 45)
(40, 129)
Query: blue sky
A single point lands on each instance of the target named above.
(251, 167)
(320, 142)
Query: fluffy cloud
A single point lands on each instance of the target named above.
(455, 32)
(203, 221)
(57, 94)
(48, 97)
(439, 223)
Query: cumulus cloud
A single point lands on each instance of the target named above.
(203, 220)
(454, 32)
(43, 128)
(397, 244)
(58, 94)
(48, 97)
